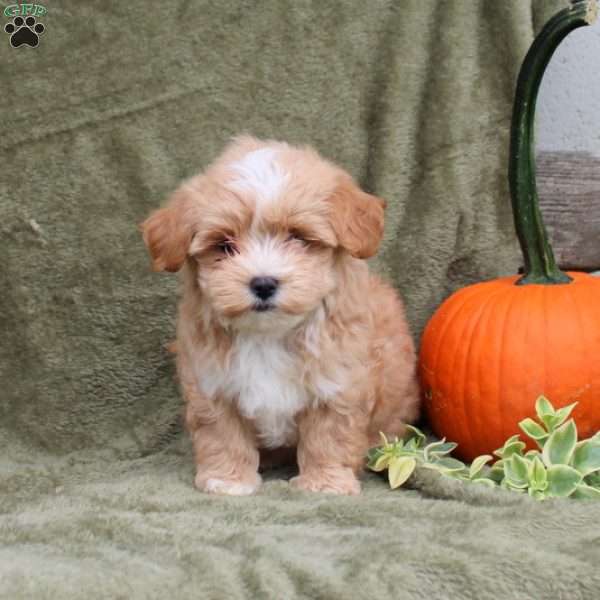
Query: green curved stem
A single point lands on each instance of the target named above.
(540, 266)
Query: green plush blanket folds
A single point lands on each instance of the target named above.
(120, 101)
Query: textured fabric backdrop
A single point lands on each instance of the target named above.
(120, 101)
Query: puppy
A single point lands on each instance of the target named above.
(284, 338)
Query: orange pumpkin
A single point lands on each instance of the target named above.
(492, 348)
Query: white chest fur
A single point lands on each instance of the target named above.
(265, 379)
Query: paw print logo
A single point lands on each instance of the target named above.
(24, 31)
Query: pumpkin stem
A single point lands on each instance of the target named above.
(540, 265)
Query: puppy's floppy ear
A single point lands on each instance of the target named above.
(357, 219)
(168, 232)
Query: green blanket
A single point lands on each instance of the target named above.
(120, 101)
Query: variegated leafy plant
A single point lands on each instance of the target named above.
(561, 466)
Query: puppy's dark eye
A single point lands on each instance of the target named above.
(227, 247)
(296, 236)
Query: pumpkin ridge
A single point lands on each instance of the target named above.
(595, 351)
(520, 345)
(446, 325)
(534, 302)
(464, 308)
(582, 333)
(546, 342)
(460, 364)
(477, 398)
(500, 370)
(584, 411)
(459, 335)
(447, 321)
(471, 327)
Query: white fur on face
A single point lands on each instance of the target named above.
(259, 174)
(266, 256)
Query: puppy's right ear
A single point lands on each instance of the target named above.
(168, 232)
(357, 219)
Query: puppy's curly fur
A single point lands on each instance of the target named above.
(284, 338)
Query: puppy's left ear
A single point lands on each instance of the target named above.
(357, 219)
(168, 232)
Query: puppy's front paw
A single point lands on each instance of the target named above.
(227, 487)
(338, 481)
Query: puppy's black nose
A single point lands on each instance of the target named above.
(263, 287)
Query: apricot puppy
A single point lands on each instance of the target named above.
(284, 338)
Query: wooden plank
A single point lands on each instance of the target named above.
(569, 191)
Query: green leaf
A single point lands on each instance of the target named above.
(586, 458)
(381, 463)
(500, 451)
(516, 469)
(534, 430)
(506, 484)
(562, 480)
(512, 438)
(449, 464)
(400, 469)
(550, 417)
(513, 448)
(536, 473)
(559, 447)
(496, 473)
(563, 413)
(384, 442)
(478, 464)
(416, 433)
(543, 407)
(412, 445)
(484, 481)
(373, 454)
(445, 448)
(438, 449)
(551, 422)
(558, 417)
(593, 479)
(537, 494)
(586, 492)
